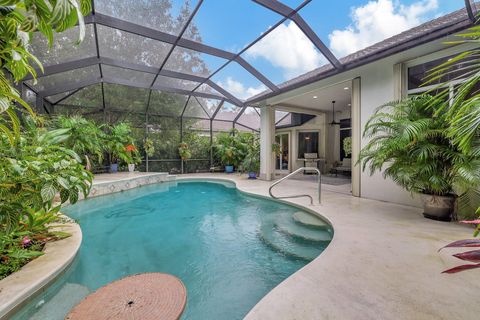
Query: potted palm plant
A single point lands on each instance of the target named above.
(409, 140)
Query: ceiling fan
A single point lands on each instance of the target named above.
(334, 123)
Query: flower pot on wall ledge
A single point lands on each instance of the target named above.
(438, 207)
(113, 167)
(229, 169)
(131, 167)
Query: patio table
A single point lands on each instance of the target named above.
(146, 296)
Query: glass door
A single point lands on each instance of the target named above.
(282, 160)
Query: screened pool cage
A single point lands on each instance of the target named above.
(148, 63)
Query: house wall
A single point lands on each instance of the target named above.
(378, 86)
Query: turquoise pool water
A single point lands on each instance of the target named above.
(228, 248)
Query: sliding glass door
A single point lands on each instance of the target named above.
(282, 160)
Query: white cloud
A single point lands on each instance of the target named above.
(378, 20)
(239, 90)
(288, 48)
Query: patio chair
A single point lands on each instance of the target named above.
(345, 167)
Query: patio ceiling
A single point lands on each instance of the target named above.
(159, 58)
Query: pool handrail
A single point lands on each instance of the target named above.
(300, 195)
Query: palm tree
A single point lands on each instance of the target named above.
(462, 109)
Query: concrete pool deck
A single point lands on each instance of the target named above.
(381, 264)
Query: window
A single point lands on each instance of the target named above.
(416, 75)
(307, 143)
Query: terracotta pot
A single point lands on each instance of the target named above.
(438, 207)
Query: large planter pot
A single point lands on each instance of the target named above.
(438, 207)
(229, 169)
(252, 175)
(114, 167)
(131, 167)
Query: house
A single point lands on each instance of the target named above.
(383, 72)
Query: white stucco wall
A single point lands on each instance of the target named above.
(377, 88)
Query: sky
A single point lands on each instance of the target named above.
(345, 26)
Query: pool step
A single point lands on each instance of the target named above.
(286, 224)
(171, 177)
(309, 220)
(282, 243)
(69, 296)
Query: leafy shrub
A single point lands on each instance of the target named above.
(35, 170)
(85, 137)
(232, 147)
(118, 137)
(251, 163)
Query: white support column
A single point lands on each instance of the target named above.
(267, 136)
(356, 136)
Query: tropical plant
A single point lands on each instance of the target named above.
(148, 147)
(35, 170)
(411, 141)
(32, 172)
(347, 146)
(119, 136)
(462, 112)
(26, 240)
(184, 151)
(133, 154)
(85, 138)
(251, 163)
(231, 147)
(276, 149)
(471, 256)
(18, 19)
(34, 165)
(461, 106)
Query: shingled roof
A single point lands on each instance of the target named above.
(426, 32)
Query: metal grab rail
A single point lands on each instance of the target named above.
(301, 195)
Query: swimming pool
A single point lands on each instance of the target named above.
(227, 247)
